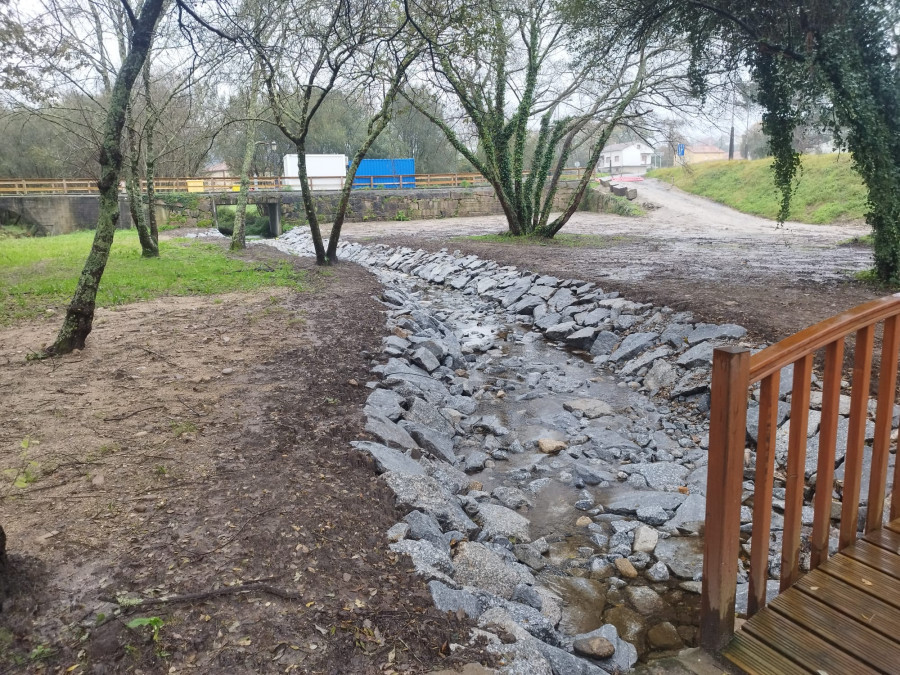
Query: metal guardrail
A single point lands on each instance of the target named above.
(82, 186)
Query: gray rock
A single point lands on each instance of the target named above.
(424, 526)
(743, 594)
(589, 407)
(424, 358)
(520, 658)
(692, 382)
(645, 600)
(528, 555)
(594, 317)
(385, 402)
(447, 599)
(661, 375)
(499, 521)
(490, 424)
(652, 515)
(397, 531)
(645, 539)
(547, 320)
(433, 442)
(784, 410)
(592, 475)
(682, 555)
(389, 459)
(691, 515)
(625, 655)
(561, 299)
(711, 331)
(426, 494)
(511, 497)
(564, 663)
(475, 462)
(645, 360)
(425, 556)
(582, 339)
(389, 433)
(605, 342)
(658, 572)
(561, 331)
(526, 595)
(698, 356)
(628, 503)
(394, 346)
(428, 415)
(526, 305)
(633, 345)
(660, 475)
(675, 334)
(478, 566)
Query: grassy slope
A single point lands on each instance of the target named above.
(828, 190)
(37, 274)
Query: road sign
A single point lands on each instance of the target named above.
(681, 149)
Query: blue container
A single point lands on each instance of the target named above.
(386, 174)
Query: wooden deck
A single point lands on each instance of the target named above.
(843, 617)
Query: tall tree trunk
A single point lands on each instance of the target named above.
(150, 156)
(309, 206)
(149, 248)
(80, 314)
(238, 236)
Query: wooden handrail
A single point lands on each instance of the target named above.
(734, 372)
(821, 334)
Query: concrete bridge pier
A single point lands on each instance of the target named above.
(274, 212)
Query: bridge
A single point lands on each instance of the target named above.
(57, 206)
(844, 615)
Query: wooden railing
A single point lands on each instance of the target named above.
(734, 372)
(77, 186)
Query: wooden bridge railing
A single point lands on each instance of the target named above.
(76, 186)
(734, 372)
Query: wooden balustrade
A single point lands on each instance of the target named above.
(35, 186)
(734, 372)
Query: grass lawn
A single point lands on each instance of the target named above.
(40, 273)
(828, 189)
(560, 240)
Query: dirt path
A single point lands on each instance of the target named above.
(689, 253)
(197, 445)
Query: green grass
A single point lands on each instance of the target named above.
(560, 240)
(828, 189)
(37, 274)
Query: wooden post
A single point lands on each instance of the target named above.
(727, 435)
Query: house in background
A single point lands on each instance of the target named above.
(620, 158)
(217, 170)
(695, 154)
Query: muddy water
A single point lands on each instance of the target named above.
(515, 359)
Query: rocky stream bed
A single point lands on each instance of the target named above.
(549, 444)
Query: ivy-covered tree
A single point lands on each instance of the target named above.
(835, 63)
(529, 86)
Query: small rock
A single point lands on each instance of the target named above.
(227, 371)
(551, 446)
(583, 521)
(664, 636)
(594, 647)
(626, 569)
(397, 532)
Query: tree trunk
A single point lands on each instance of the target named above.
(238, 236)
(309, 206)
(80, 313)
(150, 158)
(149, 248)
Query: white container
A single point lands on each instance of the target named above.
(325, 172)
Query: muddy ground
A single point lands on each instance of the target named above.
(687, 252)
(199, 447)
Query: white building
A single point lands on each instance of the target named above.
(325, 172)
(618, 158)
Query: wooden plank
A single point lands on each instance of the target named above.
(893, 525)
(875, 557)
(885, 538)
(837, 629)
(796, 472)
(831, 392)
(792, 640)
(757, 658)
(762, 493)
(887, 387)
(823, 333)
(864, 578)
(727, 436)
(855, 604)
(856, 434)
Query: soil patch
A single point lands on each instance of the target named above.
(199, 447)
